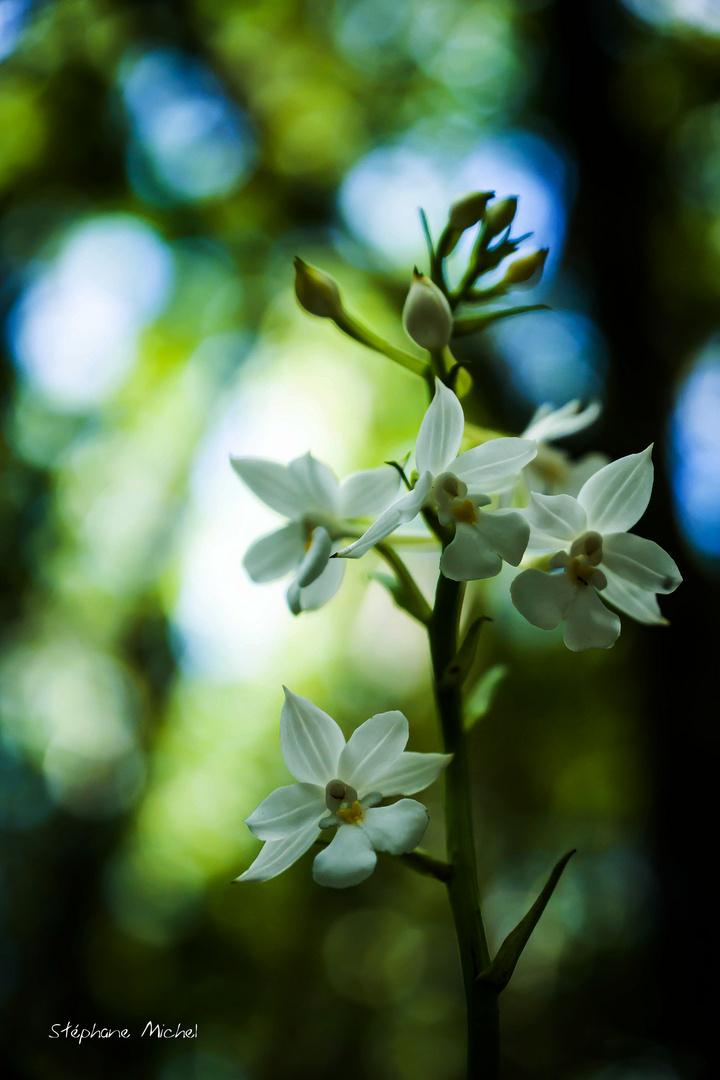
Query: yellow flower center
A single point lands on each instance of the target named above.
(580, 573)
(465, 512)
(352, 815)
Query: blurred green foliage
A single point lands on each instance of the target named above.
(160, 164)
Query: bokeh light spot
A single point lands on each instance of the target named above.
(552, 356)
(74, 330)
(695, 449)
(69, 706)
(12, 21)
(380, 196)
(189, 141)
(702, 15)
(373, 955)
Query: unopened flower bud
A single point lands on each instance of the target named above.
(427, 316)
(317, 292)
(522, 270)
(500, 215)
(468, 209)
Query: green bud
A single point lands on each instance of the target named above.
(317, 292)
(522, 270)
(500, 215)
(427, 317)
(468, 209)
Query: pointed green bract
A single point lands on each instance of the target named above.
(498, 974)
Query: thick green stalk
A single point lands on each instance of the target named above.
(482, 1000)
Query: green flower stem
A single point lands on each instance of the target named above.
(475, 268)
(417, 542)
(367, 337)
(416, 604)
(347, 531)
(437, 363)
(442, 362)
(482, 999)
(442, 532)
(423, 863)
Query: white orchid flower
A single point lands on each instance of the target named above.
(595, 556)
(457, 488)
(339, 786)
(553, 472)
(319, 508)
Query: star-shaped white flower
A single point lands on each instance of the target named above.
(595, 556)
(339, 786)
(553, 472)
(318, 507)
(457, 488)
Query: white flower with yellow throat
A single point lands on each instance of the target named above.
(339, 786)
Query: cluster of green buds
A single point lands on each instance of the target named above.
(493, 246)
(431, 317)
(495, 220)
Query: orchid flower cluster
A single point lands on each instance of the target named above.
(517, 501)
(583, 530)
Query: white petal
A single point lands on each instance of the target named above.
(348, 860)
(371, 748)
(316, 483)
(639, 603)
(490, 468)
(273, 484)
(555, 521)
(581, 471)
(400, 512)
(397, 828)
(317, 594)
(543, 599)
(588, 623)
(411, 772)
(616, 496)
(468, 557)
(373, 799)
(548, 424)
(440, 433)
(277, 855)
(276, 554)
(292, 596)
(540, 413)
(315, 558)
(367, 493)
(311, 741)
(641, 562)
(506, 532)
(286, 810)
